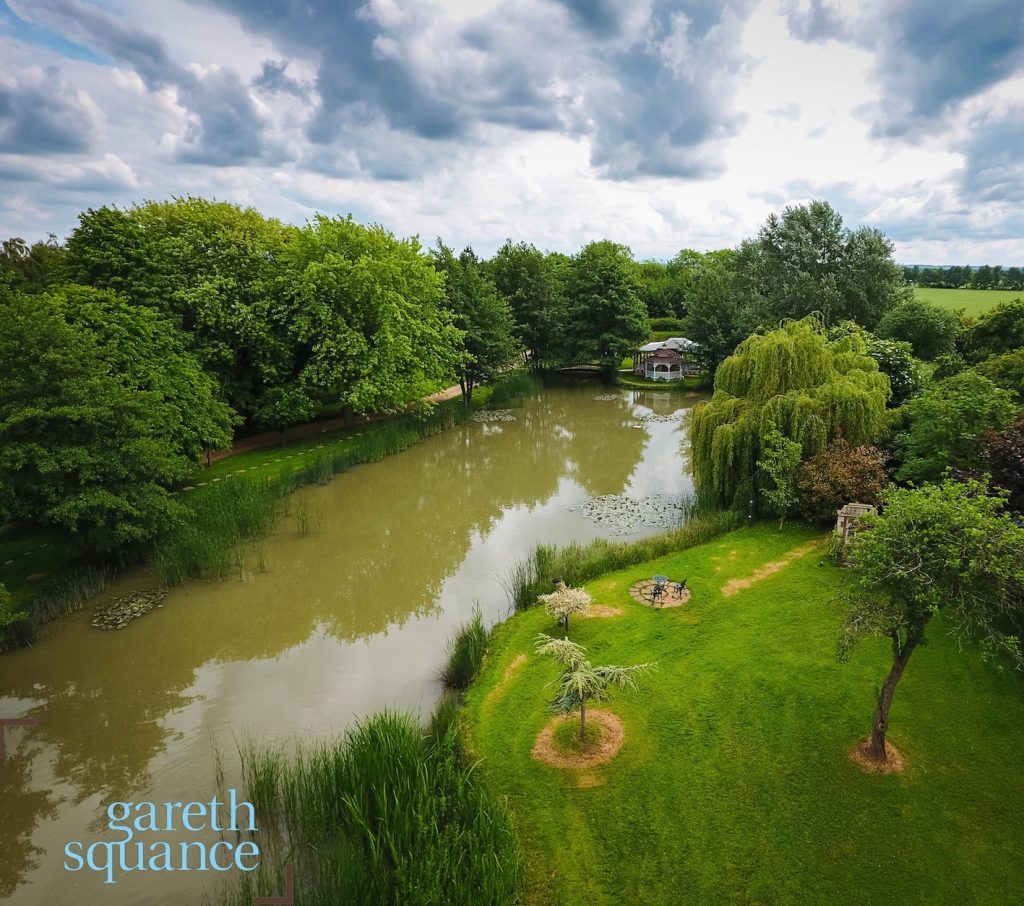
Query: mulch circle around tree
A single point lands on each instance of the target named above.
(641, 593)
(894, 762)
(607, 747)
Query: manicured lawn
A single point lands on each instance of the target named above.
(972, 301)
(639, 383)
(733, 784)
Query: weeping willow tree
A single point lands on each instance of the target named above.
(791, 380)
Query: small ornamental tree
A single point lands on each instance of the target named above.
(839, 475)
(564, 601)
(779, 464)
(580, 681)
(931, 331)
(948, 548)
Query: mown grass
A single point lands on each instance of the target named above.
(972, 301)
(687, 384)
(390, 814)
(734, 782)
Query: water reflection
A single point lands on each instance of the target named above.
(314, 631)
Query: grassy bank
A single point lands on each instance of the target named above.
(687, 384)
(972, 301)
(576, 563)
(734, 783)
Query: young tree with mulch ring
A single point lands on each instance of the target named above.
(948, 548)
(580, 681)
(564, 601)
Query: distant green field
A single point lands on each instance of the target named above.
(972, 301)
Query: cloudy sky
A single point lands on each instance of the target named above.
(659, 124)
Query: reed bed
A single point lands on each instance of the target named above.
(465, 654)
(388, 814)
(241, 508)
(513, 389)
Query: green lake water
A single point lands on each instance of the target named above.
(311, 633)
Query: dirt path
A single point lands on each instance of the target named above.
(735, 585)
(312, 429)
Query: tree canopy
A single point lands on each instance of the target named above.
(606, 320)
(805, 261)
(930, 330)
(88, 439)
(792, 380)
(488, 341)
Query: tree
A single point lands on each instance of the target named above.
(214, 269)
(488, 340)
(281, 407)
(778, 465)
(895, 360)
(718, 318)
(605, 319)
(805, 261)
(947, 548)
(31, 269)
(839, 475)
(529, 282)
(931, 331)
(82, 445)
(945, 424)
(581, 682)
(564, 601)
(795, 381)
(999, 330)
(368, 320)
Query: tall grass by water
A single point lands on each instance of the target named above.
(514, 388)
(577, 563)
(389, 814)
(242, 508)
(465, 654)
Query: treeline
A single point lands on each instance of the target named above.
(155, 332)
(957, 277)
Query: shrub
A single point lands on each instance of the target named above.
(945, 424)
(1003, 457)
(931, 331)
(999, 330)
(841, 474)
(675, 325)
(1006, 371)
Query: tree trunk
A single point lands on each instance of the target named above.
(583, 720)
(565, 619)
(900, 657)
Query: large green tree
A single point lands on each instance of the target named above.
(791, 380)
(945, 425)
(605, 319)
(367, 316)
(488, 342)
(213, 268)
(718, 317)
(806, 261)
(530, 282)
(31, 268)
(946, 549)
(999, 330)
(89, 439)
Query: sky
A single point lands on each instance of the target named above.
(661, 125)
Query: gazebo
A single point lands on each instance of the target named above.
(666, 360)
(663, 365)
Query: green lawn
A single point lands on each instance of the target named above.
(734, 784)
(972, 301)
